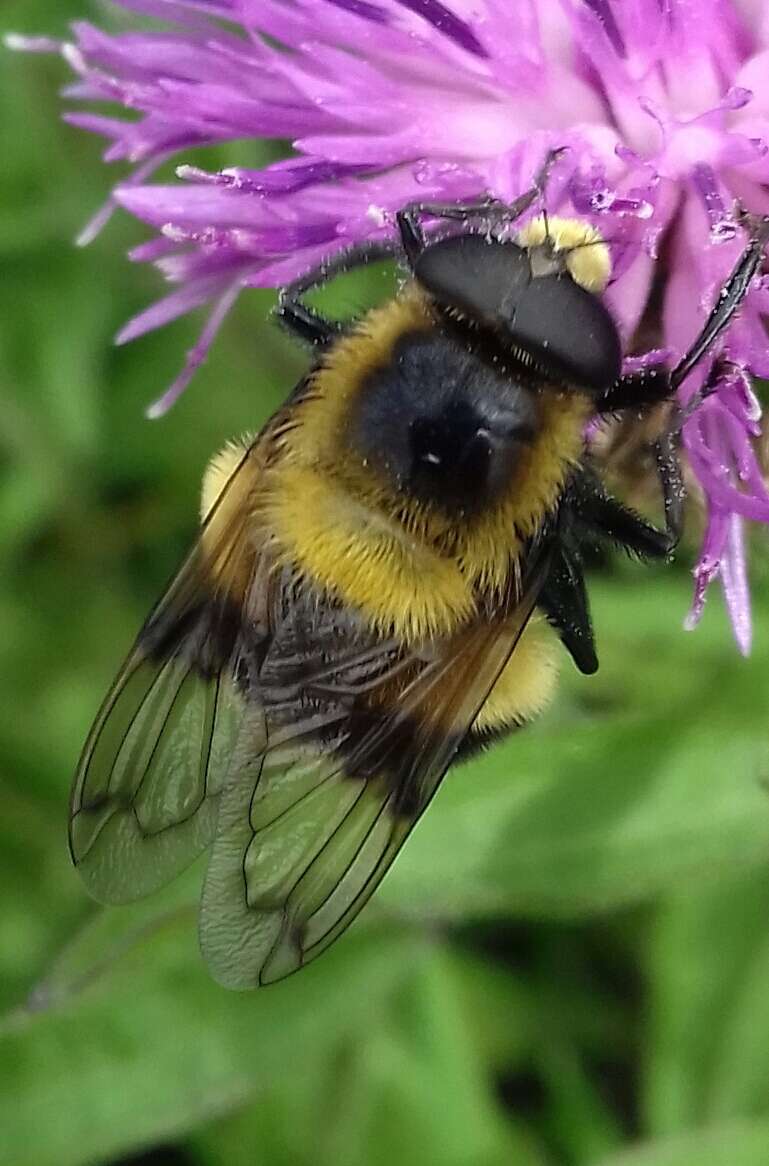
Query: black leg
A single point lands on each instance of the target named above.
(606, 517)
(611, 520)
(306, 323)
(303, 320)
(636, 390)
(650, 387)
(673, 489)
(310, 325)
(412, 235)
(730, 297)
(565, 604)
(490, 211)
(653, 385)
(589, 514)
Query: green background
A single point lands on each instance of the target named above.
(569, 963)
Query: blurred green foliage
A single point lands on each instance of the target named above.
(568, 963)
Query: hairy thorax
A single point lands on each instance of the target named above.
(410, 569)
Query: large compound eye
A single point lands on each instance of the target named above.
(550, 320)
(569, 331)
(481, 278)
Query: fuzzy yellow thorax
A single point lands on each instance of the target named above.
(410, 571)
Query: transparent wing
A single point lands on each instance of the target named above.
(146, 792)
(321, 795)
(254, 714)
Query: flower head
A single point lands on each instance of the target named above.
(664, 105)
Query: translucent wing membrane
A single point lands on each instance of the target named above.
(148, 793)
(297, 843)
(260, 717)
(145, 795)
(308, 830)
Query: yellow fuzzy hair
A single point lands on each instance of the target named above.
(227, 504)
(410, 570)
(528, 681)
(586, 256)
(218, 473)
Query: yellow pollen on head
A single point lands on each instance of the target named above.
(581, 247)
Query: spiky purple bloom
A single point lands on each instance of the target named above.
(663, 103)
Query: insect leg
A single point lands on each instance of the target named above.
(565, 604)
(635, 391)
(303, 320)
(607, 517)
(489, 210)
(729, 299)
(310, 325)
(673, 490)
(651, 385)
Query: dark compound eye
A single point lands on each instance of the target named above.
(479, 276)
(564, 329)
(568, 329)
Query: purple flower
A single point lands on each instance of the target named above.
(664, 105)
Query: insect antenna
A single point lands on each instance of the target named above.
(546, 220)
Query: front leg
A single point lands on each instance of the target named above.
(651, 386)
(603, 517)
(638, 391)
(729, 298)
(670, 472)
(310, 325)
(488, 210)
(590, 516)
(304, 321)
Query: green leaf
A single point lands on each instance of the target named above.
(127, 1043)
(707, 948)
(740, 1144)
(410, 1088)
(501, 1009)
(740, 1082)
(587, 821)
(150, 1047)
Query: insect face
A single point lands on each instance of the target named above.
(443, 424)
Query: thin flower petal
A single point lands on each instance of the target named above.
(663, 109)
(735, 583)
(196, 355)
(178, 303)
